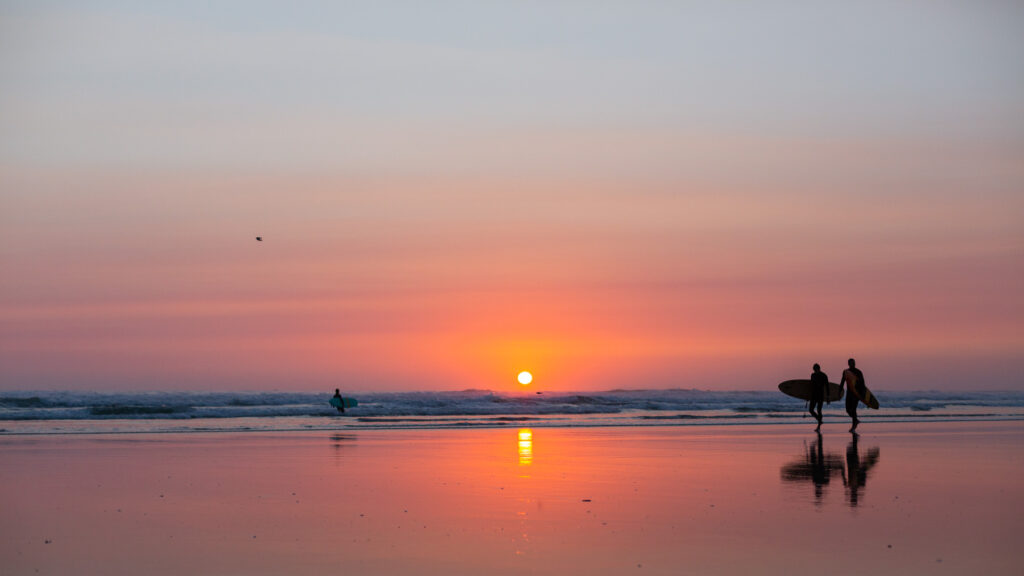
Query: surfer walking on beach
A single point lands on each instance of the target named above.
(853, 379)
(819, 385)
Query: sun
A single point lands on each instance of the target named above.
(525, 378)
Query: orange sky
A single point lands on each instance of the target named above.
(721, 228)
(435, 283)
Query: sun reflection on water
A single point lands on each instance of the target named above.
(525, 447)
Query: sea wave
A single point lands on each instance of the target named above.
(651, 404)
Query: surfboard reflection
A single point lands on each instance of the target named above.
(341, 442)
(857, 469)
(819, 467)
(815, 466)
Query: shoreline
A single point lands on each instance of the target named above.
(111, 427)
(168, 412)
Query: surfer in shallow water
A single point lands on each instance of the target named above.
(341, 402)
(819, 384)
(853, 379)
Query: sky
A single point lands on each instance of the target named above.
(641, 194)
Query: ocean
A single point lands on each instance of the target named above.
(52, 412)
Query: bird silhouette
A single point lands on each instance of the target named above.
(259, 238)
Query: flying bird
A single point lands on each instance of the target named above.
(259, 238)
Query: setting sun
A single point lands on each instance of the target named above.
(525, 378)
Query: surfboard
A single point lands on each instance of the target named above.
(866, 396)
(349, 402)
(802, 389)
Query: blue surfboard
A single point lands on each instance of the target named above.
(349, 402)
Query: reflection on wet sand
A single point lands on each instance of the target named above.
(818, 467)
(857, 469)
(525, 447)
(340, 442)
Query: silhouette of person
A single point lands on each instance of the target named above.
(853, 379)
(856, 476)
(819, 390)
(341, 402)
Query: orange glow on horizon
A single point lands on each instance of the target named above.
(603, 303)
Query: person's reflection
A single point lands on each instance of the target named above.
(340, 442)
(857, 468)
(816, 466)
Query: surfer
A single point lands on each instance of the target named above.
(819, 385)
(853, 379)
(341, 403)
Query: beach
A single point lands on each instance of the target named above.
(511, 288)
(900, 498)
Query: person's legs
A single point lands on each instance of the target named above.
(816, 412)
(851, 409)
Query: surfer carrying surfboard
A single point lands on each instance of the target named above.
(819, 382)
(340, 403)
(853, 379)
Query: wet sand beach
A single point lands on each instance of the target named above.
(900, 498)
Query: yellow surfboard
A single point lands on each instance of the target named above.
(857, 388)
